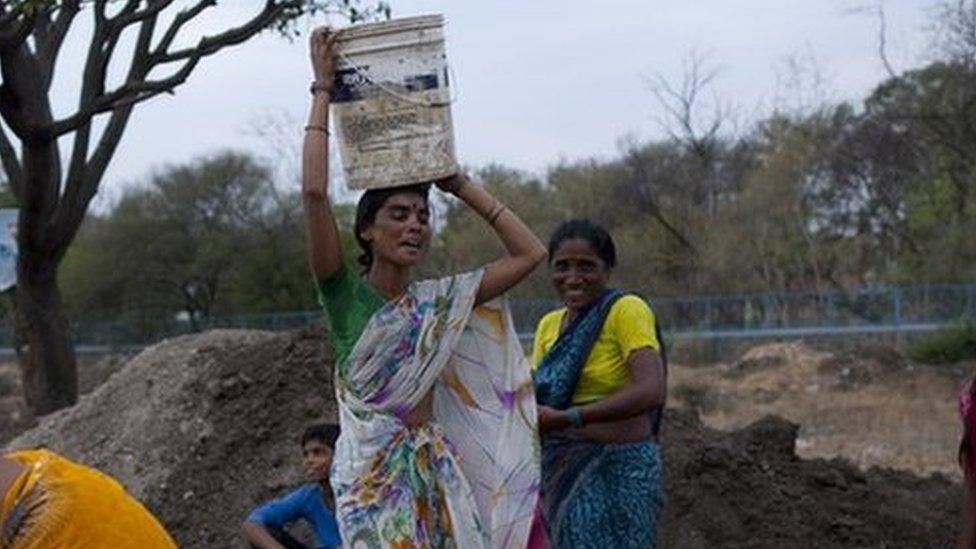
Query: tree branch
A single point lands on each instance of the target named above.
(883, 39)
(877, 9)
(11, 164)
(93, 82)
(100, 16)
(129, 14)
(43, 25)
(681, 105)
(49, 48)
(84, 177)
(14, 37)
(136, 90)
(182, 18)
(209, 45)
(9, 17)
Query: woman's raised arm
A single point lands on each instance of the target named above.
(523, 249)
(324, 250)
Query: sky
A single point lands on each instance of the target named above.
(538, 82)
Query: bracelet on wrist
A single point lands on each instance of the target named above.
(496, 213)
(575, 416)
(317, 128)
(320, 87)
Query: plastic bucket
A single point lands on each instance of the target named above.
(392, 104)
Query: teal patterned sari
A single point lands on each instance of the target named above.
(595, 495)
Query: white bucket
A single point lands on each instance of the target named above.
(392, 103)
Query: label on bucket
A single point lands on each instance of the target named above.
(353, 84)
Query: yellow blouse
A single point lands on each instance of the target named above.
(629, 326)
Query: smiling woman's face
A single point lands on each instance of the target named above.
(400, 234)
(578, 273)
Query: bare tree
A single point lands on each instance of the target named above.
(688, 118)
(644, 167)
(53, 197)
(876, 9)
(802, 86)
(954, 32)
(695, 122)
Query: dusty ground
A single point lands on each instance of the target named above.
(748, 489)
(203, 427)
(866, 404)
(14, 414)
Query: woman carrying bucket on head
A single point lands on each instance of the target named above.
(438, 445)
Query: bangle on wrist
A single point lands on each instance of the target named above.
(575, 416)
(318, 128)
(496, 213)
(320, 87)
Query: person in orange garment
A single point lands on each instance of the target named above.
(51, 502)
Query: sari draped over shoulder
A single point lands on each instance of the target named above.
(468, 478)
(595, 494)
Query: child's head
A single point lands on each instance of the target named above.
(967, 410)
(318, 443)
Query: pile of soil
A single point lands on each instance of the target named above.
(16, 416)
(202, 428)
(749, 489)
(867, 403)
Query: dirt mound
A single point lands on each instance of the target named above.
(201, 428)
(748, 489)
(16, 417)
(867, 404)
(93, 372)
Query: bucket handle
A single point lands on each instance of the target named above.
(397, 94)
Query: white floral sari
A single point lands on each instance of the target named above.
(470, 477)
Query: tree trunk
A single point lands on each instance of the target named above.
(47, 357)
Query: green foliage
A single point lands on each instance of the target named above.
(948, 345)
(835, 199)
(356, 11)
(210, 237)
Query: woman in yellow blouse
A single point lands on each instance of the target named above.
(600, 384)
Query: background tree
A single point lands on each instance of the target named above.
(53, 197)
(817, 196)
(210, 237)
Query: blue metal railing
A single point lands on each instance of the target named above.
(883, 309)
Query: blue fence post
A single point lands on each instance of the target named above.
(896, 307)
(896, 317)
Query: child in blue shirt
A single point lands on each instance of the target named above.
(313, 501)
